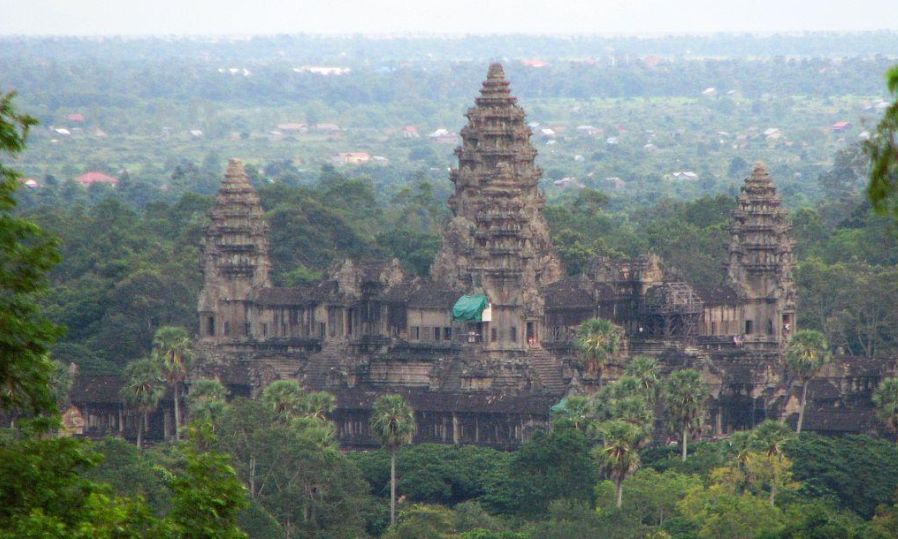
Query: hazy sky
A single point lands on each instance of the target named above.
(106, 17)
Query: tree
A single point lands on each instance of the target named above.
(206, 400)
(143, 389)
(598, 340)
(573, 410)
(806, 353)
(883, 151)
(171, 347)
(645, 369)
(618, 456)
(771, 436)
(886, 400)
(625, 400)
(26, 255)
(318, 404)
(207, 496)
(284, 398)
(685, 394)
(393, 424)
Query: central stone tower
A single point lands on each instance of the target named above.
(498, 242)
(761, 263)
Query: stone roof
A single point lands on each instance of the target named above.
(575, 293)
(300, 295)
(432, 295)
(716, 293)
(96, 389)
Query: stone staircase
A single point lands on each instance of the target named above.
(548, 369)
(318, 367)
(286, 368)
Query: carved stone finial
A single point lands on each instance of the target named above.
(496, 72)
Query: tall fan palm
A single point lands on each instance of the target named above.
(598, 340)
(207, 400)
(318, 404)
(171, 347)
(645, 369)
(285, 398)
(770, 436)
(886, 400)
(806, 354)
(143, 389)
(393, 423)
(685, 394)
(618, 455)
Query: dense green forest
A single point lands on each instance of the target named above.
(90, 275)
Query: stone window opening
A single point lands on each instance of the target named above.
(749, 327)
(210, 326)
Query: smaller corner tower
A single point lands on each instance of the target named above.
(235, 258)
(761, 264)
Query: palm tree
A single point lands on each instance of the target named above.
(806, 354)
(770, 436)
(318, 404)
(143, 389)
(619, 456)
(171, 348)
(684, 394)
(625, 400)
(645, 369)
(285, 398)
(206, 400)
(574, 411)
(598, 340)
(886, 400)
(393, 423)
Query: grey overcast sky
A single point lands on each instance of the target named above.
(142, 17)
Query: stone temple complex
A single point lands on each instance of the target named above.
(490, 375)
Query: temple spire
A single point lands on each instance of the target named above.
(498, 241)
(235, 256)
(761, 262)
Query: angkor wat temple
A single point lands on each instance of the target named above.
(371, 327)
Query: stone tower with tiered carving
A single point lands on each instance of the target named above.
(235, 258)
(760, 262)
(498, 241)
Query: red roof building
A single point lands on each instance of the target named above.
(841, 126)
(89, 178)
(76, 117)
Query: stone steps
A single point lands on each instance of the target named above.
(548, 369)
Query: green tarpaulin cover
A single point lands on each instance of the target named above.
(560, 406)
(469, 308)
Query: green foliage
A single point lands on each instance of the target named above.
(26, 255)
(618, 456)
(886, 400)
(856, 472)
(807, 353)
(392, 421)
(598, 340)
(551, 466)
(883, 151)
(652, 497)
(625, 400)
(685, 396)
(206, 400)
(323, 495)
(207, 497)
